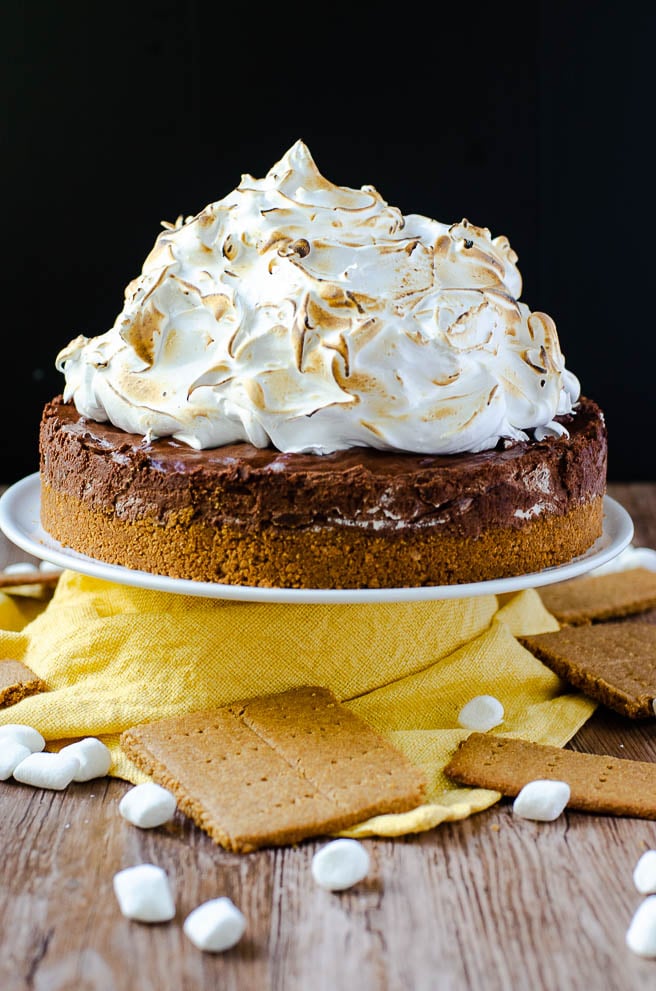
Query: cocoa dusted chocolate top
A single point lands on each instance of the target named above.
(359, 487)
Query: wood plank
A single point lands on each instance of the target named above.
(492, 902)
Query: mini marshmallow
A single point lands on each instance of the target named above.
(11, 754)
(46, 770)
(641, 934)
(148, 805)
(92, 755)
(20, 568)
(48, 567)
(143, 893)
(631, 557)
(27, 735)
(481, 713)
(340, 864)
(644, 873)
(215, 926)
(543, 800)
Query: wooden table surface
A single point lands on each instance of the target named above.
(492, 903)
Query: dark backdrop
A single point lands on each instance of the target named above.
(531, 119)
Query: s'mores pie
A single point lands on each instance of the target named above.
(306, 388)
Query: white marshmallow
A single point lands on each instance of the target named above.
(20, 568)
(148, 805)
(46, 770)
(93, 756)
(143, 893)
(641, 934)
(27, 735)
(340, 864)
(11, 754)
(481, 713)
(48, 567)
(644, 873)
(543, 800)
(215, 926)
(630, 557)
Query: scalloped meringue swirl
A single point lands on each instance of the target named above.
(315, 317)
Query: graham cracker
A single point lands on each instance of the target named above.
(598, 783)
(277, 769)
(17, 681)
(599, 597)
(611, 662)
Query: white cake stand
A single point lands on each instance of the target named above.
(19, 521)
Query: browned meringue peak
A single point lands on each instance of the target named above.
(316, 317)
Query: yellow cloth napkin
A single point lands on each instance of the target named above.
(113, 656)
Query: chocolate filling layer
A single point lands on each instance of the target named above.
(123, 475)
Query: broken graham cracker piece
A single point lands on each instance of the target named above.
(598, 783)
(17, 681)
(277, 769)
(610, 662)
(598, 597)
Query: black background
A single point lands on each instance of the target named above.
(531, 119)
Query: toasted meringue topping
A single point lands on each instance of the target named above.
(314, 317)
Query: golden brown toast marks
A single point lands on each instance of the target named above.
(17, 681)
(612, 662)
(599, 597)
(275, 770)
(606, 785)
